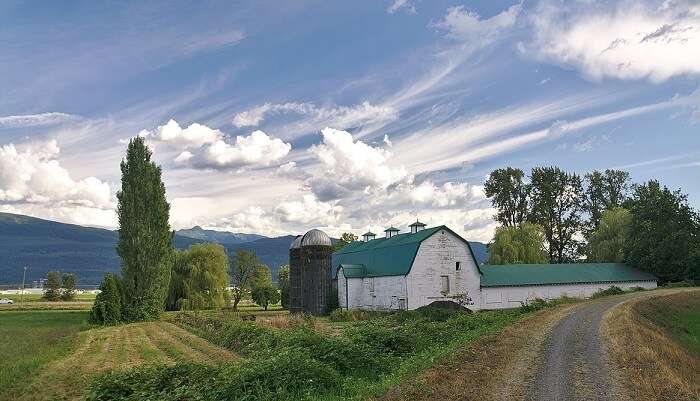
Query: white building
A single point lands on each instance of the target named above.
(406, 271)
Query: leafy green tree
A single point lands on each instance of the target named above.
(604, 191)
(199, 278)
(609, 241)
(284, 286)
(345, 239)
(265, 294)
(665, 232)
(509, 195)
(52, 286)
(69, 282)
(557, 205)
(518, 244)
(107, 308)
(247, 269)
(145, 240)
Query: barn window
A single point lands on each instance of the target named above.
(457, 266)
(371, 284)
(445, 280)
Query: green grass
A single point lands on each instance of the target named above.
(679, 315)
(30, 340)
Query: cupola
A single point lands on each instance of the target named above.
(368, 236)
(417, 226)
(391, 231)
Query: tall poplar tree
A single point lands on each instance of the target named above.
(145, 240)
(604, 191)
(509, 195)
(557, 205)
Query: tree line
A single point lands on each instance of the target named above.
(155, 276)
(559, 217)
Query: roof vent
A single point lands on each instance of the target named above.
(368, 236)
(417, 226)
(391, 231)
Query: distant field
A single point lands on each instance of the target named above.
(31, 340)
(679, 315)
(38, 297)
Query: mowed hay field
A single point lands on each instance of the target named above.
(655, 344)
(96, 351)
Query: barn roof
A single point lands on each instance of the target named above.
(385, 256)
(567, 273)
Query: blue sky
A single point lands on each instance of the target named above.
(339, 115)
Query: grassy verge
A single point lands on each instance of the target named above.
(30, 341)
(654, 343)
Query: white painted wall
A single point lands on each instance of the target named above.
(512, 297)
(436, 257)
(372, 293)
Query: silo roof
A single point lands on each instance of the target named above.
(296, 244)
(316, 237)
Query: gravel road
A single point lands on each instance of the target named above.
(573, 365)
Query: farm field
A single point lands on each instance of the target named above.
(30, 341)
(88, 353)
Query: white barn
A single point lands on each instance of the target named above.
(407, 271)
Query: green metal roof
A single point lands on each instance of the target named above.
(568, 273)
(385, 256)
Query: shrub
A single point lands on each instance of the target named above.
(107, 308)
(69, 283)
(612, 290)
(533, 305)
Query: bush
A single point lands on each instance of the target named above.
(70, 281)
(612, 290)
(678, 284)
(533, 305)
(107, 308)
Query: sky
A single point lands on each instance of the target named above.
(278, 117)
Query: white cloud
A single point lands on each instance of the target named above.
(194, 136)
(309, 210)
(33, 120)
(339, 116)
(207, 148)
(354, 165)
(33, 181)
(290, 170)
(401, 4)
(630, 40)
(467, 26)
(257, 149)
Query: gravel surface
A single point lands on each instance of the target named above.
(573, 364)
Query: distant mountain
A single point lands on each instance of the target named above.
(481, 252)
(222, 237)
(45, 245)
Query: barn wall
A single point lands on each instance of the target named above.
(389, 292)
(511, 297)
(436, 257)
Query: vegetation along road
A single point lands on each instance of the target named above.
(590, 350)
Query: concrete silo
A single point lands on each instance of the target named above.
(315, 278)
(295, 296)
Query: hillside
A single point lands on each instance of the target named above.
(44, 245)
(222, 237)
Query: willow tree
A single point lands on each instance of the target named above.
(145, 240)
(521, 244)
(199, 278)
(609, 241)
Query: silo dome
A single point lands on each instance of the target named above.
(296, 244)
(316, 238)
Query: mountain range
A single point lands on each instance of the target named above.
(44, 245)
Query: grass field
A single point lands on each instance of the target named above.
(30, 341)
(654, 342)
(62, 372)
(38, 297)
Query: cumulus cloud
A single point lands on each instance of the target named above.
(206, 148)
(256, 149)
(194, 136)
(33, 181)
(339, 116)
(467, 26)
(308, 210)
(33, 120)
(353, 164)
(630, 40)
